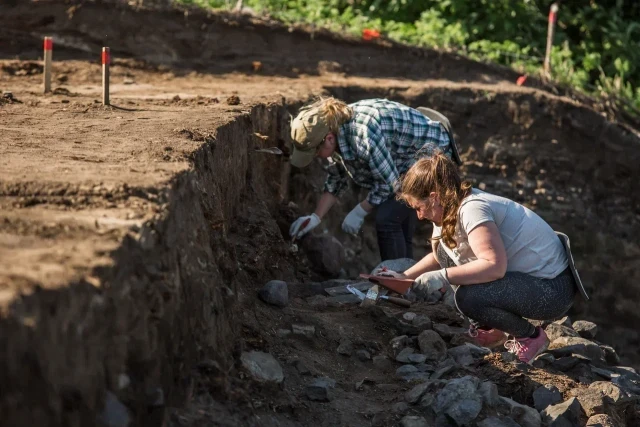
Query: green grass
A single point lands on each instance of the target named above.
(596, 51)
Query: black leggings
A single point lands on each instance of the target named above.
(503, 304)
(395, 225)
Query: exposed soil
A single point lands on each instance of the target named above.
(134, 237)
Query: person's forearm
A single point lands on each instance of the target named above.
(475, 272)
(326, 202)
(428, 263)
(367, 206)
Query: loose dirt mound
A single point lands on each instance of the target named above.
(133, 238)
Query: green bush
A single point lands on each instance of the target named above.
(596, 47)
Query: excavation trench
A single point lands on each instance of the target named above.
(173, 297)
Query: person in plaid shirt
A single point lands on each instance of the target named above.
(372, 142)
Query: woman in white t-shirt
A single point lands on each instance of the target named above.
(504, 262)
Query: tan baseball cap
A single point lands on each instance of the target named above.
(308, 130)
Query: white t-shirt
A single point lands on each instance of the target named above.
(531, 244)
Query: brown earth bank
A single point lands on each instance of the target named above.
(134, 238)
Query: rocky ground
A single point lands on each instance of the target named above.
(135, 238)
(312, 346)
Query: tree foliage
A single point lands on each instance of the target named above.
(596, 48)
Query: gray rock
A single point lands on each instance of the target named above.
(403, 356)
(398, 265)
(489, 393)
(565, 321)
(275, 293)
(521, 414)
(413, 396)
(421, 322)
(586, 329)
(456, 390)
(427, 401)
(626, 371)
(441, 372)
(398, 344)
(263, 367)
(308, 331)
(602, 372)
(541, 360)
(610, 355)
(406, 369)
(346, 347)
(464, 411)
(497, 422)
(413, 421)
(363, 355)
(409, 316)
(416, 377)
(302, 368)
(600, 420)
(417, 358)
(565, 346)
(565, 364)
(592, 401)
(566, 414)
(612, 392)
(324, 252)
(114, 413)
(627, 384)
(320, 389)
(478, 352)
(461, 354)
(448, 332)
(400, 408)
(547, 395)
(555, 331)
(432, 345)
(423, 367)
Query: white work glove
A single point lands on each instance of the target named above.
(296, 229)
(384, 271)
(353, 221)
(431, 286)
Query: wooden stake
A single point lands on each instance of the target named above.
(106, 60)
(553, 15)
(48, 57)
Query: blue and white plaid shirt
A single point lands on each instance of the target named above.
(381, 142)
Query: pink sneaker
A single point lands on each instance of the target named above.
(528, 348)
(489, 338)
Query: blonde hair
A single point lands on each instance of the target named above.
(437, 174)
(333, 111)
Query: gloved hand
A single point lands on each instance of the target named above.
(353, 221)
(431, 286)
(384, 271)
(296, 230)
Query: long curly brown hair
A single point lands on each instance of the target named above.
(437, 174)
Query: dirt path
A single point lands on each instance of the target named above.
(134, 238)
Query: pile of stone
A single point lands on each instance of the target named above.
(606, 394)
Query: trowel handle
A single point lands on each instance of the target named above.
(398, 301)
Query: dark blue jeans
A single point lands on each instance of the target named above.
(395, 225)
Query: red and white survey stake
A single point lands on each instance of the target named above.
(48, 57)
(553, 16)
(106, 60)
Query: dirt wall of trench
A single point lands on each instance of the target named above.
(167, 303)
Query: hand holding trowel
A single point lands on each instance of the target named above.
(372, 296)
